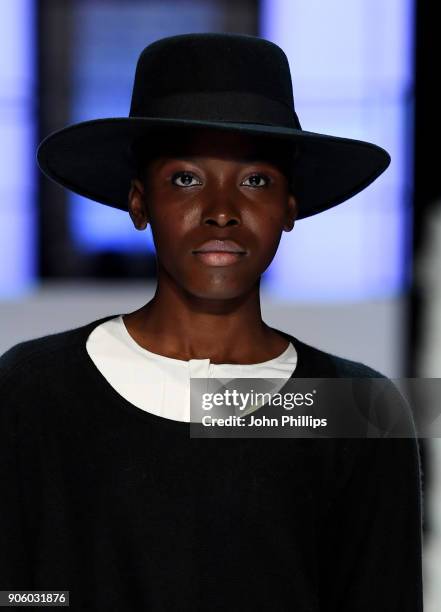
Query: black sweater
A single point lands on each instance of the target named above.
(127, 512)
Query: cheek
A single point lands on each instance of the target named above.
(267, 227)
(163, 220)
(268, 232)
(172, 217)
(170, 230)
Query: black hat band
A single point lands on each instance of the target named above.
(229, 106)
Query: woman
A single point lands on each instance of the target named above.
(105, 493)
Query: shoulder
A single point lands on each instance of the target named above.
(376, 396)
(32, 359)
(316, 362)
(347, 368)
(29, 359)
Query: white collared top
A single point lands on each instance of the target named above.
(161, 385)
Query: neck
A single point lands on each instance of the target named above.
(183, 326)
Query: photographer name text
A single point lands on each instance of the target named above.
(264, 421)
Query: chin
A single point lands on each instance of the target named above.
(220, 291)
(220, 294)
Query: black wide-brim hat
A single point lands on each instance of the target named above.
(226, 82)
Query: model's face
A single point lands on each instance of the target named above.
(225, 187)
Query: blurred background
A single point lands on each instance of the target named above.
(361, 280)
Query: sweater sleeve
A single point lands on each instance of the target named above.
(15, 570)
(370, 554)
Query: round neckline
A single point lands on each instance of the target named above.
(119, 319)
(92, 371)
(112, 394)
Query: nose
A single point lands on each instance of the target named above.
(221, 210)
(221, 220)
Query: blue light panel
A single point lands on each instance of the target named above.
(351, 65)
(17, 151)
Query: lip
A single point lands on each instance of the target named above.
(219, 258)
(219, 245)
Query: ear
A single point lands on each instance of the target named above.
(291, 214)
(137, 206)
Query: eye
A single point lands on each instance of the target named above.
(255, 180)
(186, 178)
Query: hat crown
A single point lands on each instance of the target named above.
(211, 76)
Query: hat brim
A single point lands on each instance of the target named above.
(92, 159)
